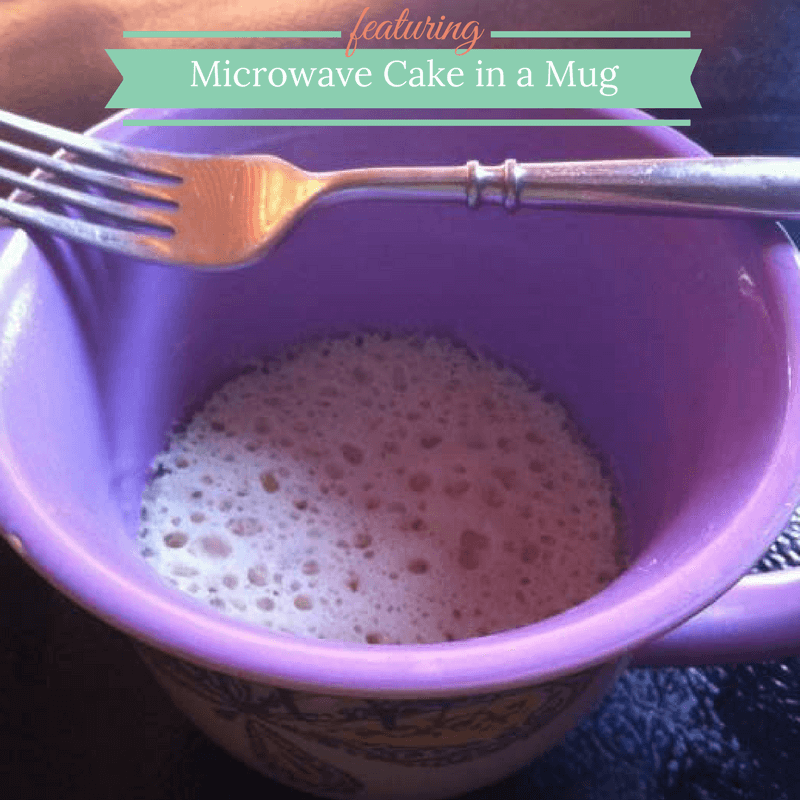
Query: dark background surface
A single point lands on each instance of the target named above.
(80, 716)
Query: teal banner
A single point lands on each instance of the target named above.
(276, 78)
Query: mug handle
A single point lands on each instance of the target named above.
(757, 620)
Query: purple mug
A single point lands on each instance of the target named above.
(673, 341)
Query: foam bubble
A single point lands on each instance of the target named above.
(269, 482)
(175, 539)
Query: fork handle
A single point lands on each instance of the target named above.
(745, 187)
(752, 187)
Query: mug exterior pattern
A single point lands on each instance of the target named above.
(417, 732)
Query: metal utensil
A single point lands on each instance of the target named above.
(218, 212)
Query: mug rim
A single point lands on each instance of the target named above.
(510, 659)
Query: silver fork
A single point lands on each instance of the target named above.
(216, 212)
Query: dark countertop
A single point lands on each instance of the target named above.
(81, 717)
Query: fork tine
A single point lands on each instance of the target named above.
(85, 145)
(96, 177)
(158, 218)
(78, 230)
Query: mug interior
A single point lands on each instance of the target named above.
(668, 339)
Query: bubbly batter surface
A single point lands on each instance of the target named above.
(383, 490)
